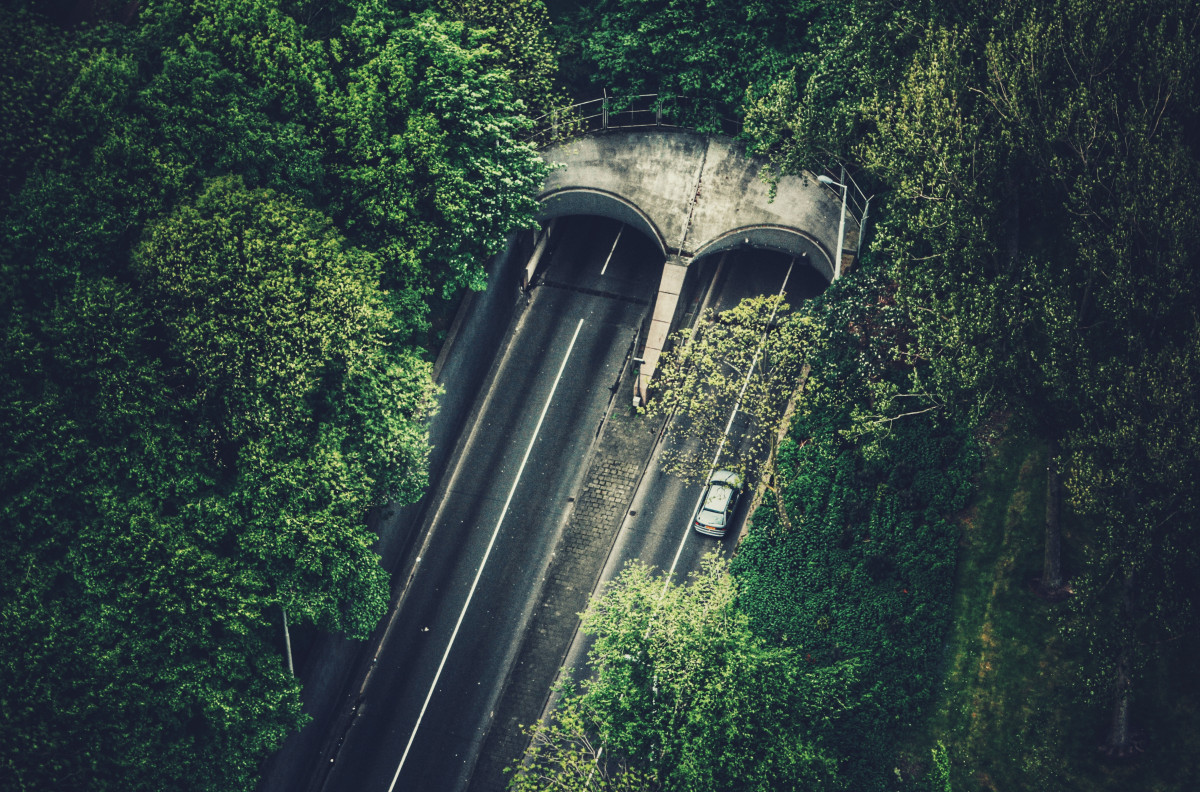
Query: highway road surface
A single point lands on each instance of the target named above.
(496, 520)
(657, 530)
(469, 586)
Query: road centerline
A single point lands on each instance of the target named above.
(487, 553)
(725, 435)
(614, 248)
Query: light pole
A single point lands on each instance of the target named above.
(862, 229)
(837, 262)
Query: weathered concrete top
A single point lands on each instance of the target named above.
(694, 194)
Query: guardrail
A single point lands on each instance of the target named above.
(667, 111)
(632, 112)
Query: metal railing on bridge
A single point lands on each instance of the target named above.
(633, 112)
(668, 111)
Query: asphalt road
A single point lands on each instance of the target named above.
(491, 525)
(657, 530)
(498, 516)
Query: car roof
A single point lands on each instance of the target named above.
(718, 496)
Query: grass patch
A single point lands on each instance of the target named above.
(1010, 711)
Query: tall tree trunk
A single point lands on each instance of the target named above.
(1120, 742)
(1052, 577)
(1012, 219)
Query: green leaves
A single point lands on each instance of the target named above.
(279, 336)
(851, 557)
(752, 356)
(222, 231)
(720, 51)
(194, 452)
(520, 31)
(437, 177)
(258, 296)
(682, 696)
(1038, 236)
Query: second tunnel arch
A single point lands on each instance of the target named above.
(694, 194)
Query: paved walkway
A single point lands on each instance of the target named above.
(616, 466)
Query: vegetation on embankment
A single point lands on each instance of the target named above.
(1031, 268)
(224, 229)
(1011, 710)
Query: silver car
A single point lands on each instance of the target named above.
(718, 503)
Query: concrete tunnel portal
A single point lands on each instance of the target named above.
(693, 195)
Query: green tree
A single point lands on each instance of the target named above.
(720, 51)
(850, 555)
(277, 336)
(210, 382)
(1133, 467)
(405, 130)
(426, 158)
(686, 698)
(1040, 235)
(135, 646)
(521, 32)
(183, 462)
(751, 357)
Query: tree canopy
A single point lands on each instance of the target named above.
(752, 356)
(1038, 170)
(225, 227)
(683, 696)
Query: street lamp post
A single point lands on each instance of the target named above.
(862, 229)
(837, 262)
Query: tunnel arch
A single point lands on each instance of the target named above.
(694, 194)
(568, 201)
(790, 241)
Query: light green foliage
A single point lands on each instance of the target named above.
(682, 696)
(404, 130)
(258, 296)
(437, 174)
(196, 456)
(223, 224)
(940, 775)
(934, 152)
(751, 355)
(809, 116)
(278, 333)
(520, 30)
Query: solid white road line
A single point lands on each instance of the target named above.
(496, 532)
(614, 247)
(725, 436)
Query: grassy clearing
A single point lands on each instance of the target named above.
(1009, 711)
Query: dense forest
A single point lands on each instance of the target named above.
(1029, 281)
(229, 225)
(226, 225)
